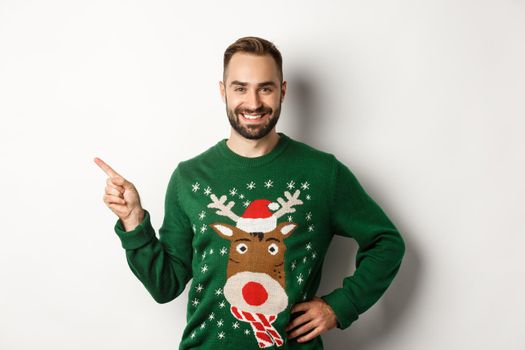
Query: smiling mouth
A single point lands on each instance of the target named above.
(253, 116)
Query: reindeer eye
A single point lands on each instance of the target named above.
(273, 249)
(242, 248)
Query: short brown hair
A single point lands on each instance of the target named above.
(256, 46)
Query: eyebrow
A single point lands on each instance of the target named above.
(242, 239)
(265, 83)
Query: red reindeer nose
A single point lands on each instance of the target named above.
(254, 293)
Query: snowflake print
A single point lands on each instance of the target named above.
(220, 323)
(251, 185)
(199, 288)
(309, 216)
(202, 215)
(222, 304)
(309, 246)
(195, 302)
(290, 185)
(310, 228)
(247, 203)
(290, 218)
(305, 259)
(223, 250)
(195, 187)
(235, 325)
(207, 190)
(268, 184)
(233, 191)
(241, 196)
(247, 331)
(193, 335)
(221, 335)
(305, 185)
(300, 279)
(203, 325)
(293, 265)
(314, 255)
(203, 228)
(212, 316)
(308, 197)
(203, 255)
(211, 251)
(218, 291)
(204, 268)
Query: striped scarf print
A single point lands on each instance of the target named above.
(264, 332)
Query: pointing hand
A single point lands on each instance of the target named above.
(121, 197)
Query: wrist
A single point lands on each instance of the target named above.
(133, 220)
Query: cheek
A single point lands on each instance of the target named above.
(234, 105)
(272, 102)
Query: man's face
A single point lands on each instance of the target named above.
(253, 94)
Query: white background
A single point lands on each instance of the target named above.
(423, 100)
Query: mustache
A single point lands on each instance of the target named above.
(260, 110)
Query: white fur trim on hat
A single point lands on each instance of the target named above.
(257, 224)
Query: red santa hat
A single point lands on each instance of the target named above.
(257, 217)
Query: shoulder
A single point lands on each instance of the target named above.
(198, 161)
(307, 153)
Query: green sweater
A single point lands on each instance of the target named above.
(252, 234)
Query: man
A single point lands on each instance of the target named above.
(250, 221)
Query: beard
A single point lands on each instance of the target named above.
(253, 131)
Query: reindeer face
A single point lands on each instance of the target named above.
(255, 273)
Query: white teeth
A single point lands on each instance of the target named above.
(249, 116)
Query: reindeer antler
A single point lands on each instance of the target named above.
(286, 207)
(224, 210)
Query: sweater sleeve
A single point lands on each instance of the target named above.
(163, 265)
(381, 248)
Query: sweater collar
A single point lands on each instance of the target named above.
(225, 151)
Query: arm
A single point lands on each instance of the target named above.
(163, 265)
(381, 248)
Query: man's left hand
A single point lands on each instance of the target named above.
(318, 317)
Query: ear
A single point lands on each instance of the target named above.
(221, 87)
(283, 90)
(224, 230)
(286, 228)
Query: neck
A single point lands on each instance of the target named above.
(252, 148)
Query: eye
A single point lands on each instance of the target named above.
(242, 248)
(273, 249)
(239, 89)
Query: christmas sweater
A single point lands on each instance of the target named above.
(251, 234)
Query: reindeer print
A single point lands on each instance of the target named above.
(255, 276)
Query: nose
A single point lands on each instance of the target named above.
(253, 101)
(254, 293)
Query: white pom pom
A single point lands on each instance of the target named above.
(273, 206)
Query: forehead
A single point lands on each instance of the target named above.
(251, 68)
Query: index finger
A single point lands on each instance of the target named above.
(107, 169)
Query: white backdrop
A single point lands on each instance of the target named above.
(423, 100)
